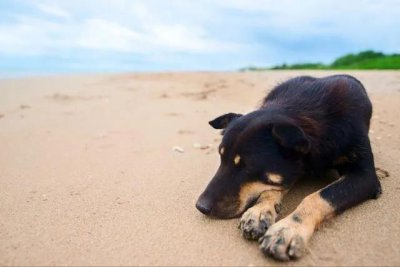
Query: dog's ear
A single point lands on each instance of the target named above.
(222, 121)
(292, 137)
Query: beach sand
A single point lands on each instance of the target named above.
(88, 175)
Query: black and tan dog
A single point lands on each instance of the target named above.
(305, 125)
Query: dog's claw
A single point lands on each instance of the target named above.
(282, 243)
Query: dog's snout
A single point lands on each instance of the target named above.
(204, 205)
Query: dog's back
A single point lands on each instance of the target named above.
(334, 111)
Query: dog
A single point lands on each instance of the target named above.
(304, 127)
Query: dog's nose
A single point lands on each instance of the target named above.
(204, 205)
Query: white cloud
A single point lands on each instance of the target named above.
(143, 33)
(231, 31)
(53, 11)
(106, 35)
(28, 36)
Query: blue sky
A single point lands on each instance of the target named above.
(46, 36)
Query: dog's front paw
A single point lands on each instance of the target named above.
(256, 220)
(285, 240)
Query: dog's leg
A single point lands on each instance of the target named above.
(257, 219)
(287, 238)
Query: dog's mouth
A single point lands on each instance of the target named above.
(230, 209)
(230, 213)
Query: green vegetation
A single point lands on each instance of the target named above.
(362, 61)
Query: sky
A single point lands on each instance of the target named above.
(69, 36)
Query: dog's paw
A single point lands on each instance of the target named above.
(284, 241)
(256, 220)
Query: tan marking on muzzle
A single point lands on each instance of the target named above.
(274, 178)
(254, 189)
(221, 150)
(236, 160)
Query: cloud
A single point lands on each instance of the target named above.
(28, 36)
(53, 11)
(203, 34)
(106, 35)
(35, 34)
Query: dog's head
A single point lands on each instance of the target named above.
(259, 151)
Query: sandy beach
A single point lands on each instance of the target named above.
(88, 175)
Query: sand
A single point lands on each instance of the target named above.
(88, 175)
